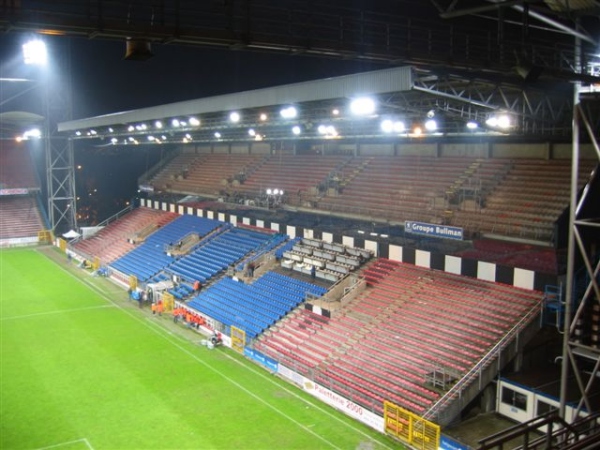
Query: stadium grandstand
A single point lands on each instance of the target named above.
(22, 214)
(369, 239)
(386, 272)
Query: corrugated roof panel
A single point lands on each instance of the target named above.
(377, 82)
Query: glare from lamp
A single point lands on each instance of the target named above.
(234, 117)
(251, 132)
(34, 133)
(158, 125)
(269, 191)
(431, 125)
(492, 121)
(362, 106)
(289, 113)
(35, 53)
(263, 117)
(399, 127)
(217, 135)
(296, 130)
(472, 125)
(503, 121)
(194, 122)
(114, 140)
(175, 123)
(335, 112)
(387, 126)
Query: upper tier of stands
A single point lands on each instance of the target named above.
(299, 176)
(115, 239)
(512, 197)
(253, 307)
(526, 201)
(16, 167)
(19, 217)
(207, 174)
(390, 342)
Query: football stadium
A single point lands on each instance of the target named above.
(404, 257)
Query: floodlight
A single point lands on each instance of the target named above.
(131, 139)
(430, 114)
(362, 106)
(251, 132)
(431, 125)
(150, 138)
(113, 141)
(275, 191)
(110, 130)
(78, 133)
(234, 117)
(130, 128)
(269, 191)
(418, 131)
(34, 133)
(194, 122)
(163, 137)
(35, 53)
(93, 132)
(188, 135)
(296, 130)
(217, 135)
(263, 117)
(335, 112)
(472, 125)
(158, 125)
(322, 129)
(387, 126)
(492, 121)
(175, 122)
(503, 121)
(399, 127)
(289, 113)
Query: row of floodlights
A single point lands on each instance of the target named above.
(388, 126)
(275, 191)
(359, 106)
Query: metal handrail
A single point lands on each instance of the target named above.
(475, 370)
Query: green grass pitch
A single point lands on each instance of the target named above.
(83, 369)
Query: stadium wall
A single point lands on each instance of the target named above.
(521, 278)
(498, 150)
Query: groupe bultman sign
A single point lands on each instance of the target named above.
(433, 230)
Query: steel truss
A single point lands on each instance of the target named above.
(535, 112)
(60, 167)
(582, 352)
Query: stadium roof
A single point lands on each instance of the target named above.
(408, 102)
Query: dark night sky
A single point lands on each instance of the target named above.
(103, 82)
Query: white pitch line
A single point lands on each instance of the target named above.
(60, 311)
(88, 444)
(161, 332)
(62, 444)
